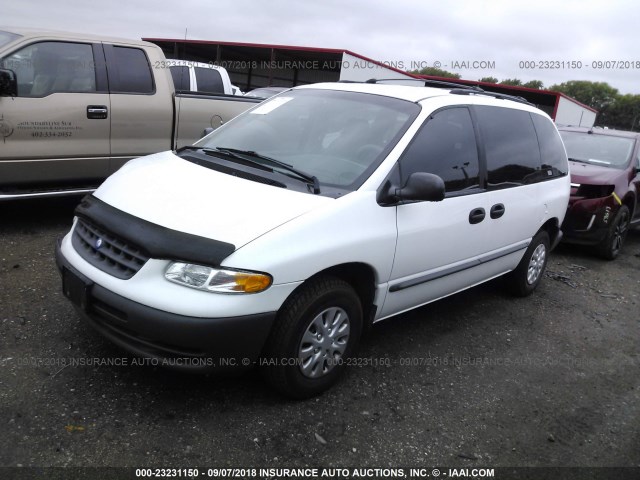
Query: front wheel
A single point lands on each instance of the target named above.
(529, 272)
(612, 243)
(317, 330)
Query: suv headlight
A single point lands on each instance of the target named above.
(594, 191)
(217, 280)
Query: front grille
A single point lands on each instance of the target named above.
(107, 252)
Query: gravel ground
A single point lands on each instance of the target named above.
(549, 380)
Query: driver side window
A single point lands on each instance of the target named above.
(445, 146)
(49, 67)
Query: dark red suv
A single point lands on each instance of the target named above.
(605, 187)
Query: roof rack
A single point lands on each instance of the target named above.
(502, 96)
(426, 83)
(458, 89)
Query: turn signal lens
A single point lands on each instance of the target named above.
(217, 280)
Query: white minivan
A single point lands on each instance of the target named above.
(283, 235)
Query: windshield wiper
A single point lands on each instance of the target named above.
(310, 179)
(577, 160)
(227, 153)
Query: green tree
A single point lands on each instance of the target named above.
(598, 95)
(436, 72)
(489, 79)
(511, 81)
(537, 84)
(623, 113)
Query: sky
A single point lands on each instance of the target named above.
(551, 41)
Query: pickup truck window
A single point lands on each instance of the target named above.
(50, 67)
(209, 80)
(133, 71)
(180, 75)
(445, 146)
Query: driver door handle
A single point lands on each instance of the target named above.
(97, 112)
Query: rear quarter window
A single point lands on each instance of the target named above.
(553, 156)
(209, 80)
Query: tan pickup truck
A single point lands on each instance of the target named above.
(75, 107)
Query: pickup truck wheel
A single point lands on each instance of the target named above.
(529, 272)
(612, 243)
(317, 330)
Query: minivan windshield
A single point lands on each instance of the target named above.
(335, 136)
(7, 37)
(597, 149)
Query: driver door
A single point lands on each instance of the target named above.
(57, 128)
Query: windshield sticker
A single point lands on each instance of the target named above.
(271, 105)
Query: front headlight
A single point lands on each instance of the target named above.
(217, 280)
(594, 191)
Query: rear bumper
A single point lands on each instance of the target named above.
(168, 339)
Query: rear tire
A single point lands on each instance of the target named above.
(317, 330)
(529, 272)
(610, 247)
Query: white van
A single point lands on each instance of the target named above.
(283, 235)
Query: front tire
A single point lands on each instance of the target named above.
(610, 247)
(317, 330)
(529, 272)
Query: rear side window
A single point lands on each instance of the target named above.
(445, 146)
(132, 73)
(511, 146)
(209, 80)
(180, 75)
(554, 159)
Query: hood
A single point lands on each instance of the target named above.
(174, 193)
(594, 174)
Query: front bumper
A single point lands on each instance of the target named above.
(587, 221)
(169, 339)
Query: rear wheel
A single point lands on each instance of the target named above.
(529, 272)
(612, 243)
(317, 330)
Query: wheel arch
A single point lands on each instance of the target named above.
(552, 227)
(630, 201)
(362, 277)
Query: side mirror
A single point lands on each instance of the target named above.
(420, 187)
(206, 131)
(8, 83)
